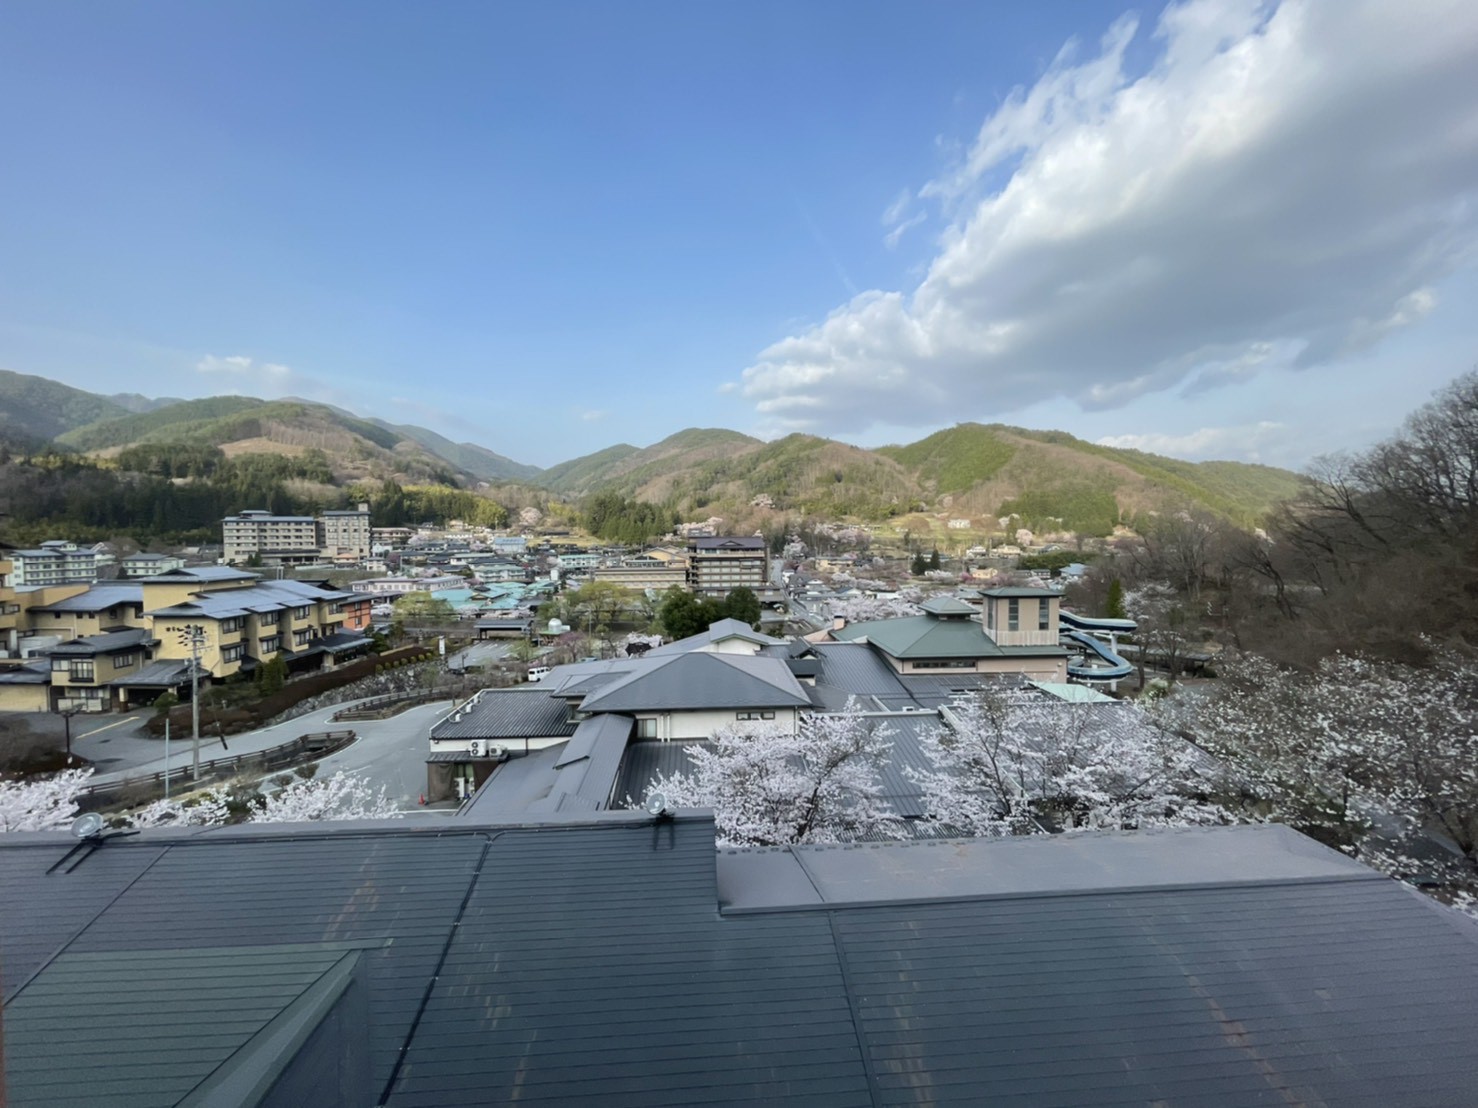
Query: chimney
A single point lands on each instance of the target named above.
(838, 622)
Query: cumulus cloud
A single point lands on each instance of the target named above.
(1281, 187)
(592, 415)
(238, 365)
(1264, 441)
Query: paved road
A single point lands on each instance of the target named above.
(389, 752)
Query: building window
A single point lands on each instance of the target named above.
(300, 613)
(1044, 616)
(1013, 614)
(229, 626)
(82, 670)
(272, 645)
(646, 728)
(302, 638)
(124, 661)
(990, 615)
(232, 653)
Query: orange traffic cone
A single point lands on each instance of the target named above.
(423, 798)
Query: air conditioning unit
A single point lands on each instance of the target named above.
(477, 748)
(495, 751)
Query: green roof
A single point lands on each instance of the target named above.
(928, 636)
(948, 606)
(1013, 591)
(153, 1027)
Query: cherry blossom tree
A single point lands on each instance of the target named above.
(342, 796)
(862, 608)
(1018, 762)
(769, 787)
(42, 803)
(1364, 755)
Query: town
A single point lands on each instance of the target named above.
(763, 554)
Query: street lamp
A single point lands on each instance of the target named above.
(192, 636)
(67, 715)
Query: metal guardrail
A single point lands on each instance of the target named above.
(374, 707)
(315, 744)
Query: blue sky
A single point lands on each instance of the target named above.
(1222, 229)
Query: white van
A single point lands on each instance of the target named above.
(538, 673)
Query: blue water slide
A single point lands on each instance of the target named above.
(1113, 668)
(1091, 623)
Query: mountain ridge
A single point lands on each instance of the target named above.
(972, 471)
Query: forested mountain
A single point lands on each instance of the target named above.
(976, 472)
(37, 409)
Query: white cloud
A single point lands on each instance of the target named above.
(1254, 442)
(1282, 188)
(592, 415)
(238, 365)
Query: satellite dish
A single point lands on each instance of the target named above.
(657, 804)
(89, 826)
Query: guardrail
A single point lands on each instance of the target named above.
(379, 707)
(315, 744)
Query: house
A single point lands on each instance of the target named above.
(616, 958)
(1014, 632)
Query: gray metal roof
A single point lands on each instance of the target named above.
(519, 713)
(202, 573)
(165, 674)
(28, 673)
(263, 597)
(621, 961)
(644, 762)
(701, 680)
(217, 1013)
(106, 643)
(586, 769)
(98, 598)
(717, 632)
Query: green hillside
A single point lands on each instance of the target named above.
(584, 473)
(37, 409)
(188, 421)
(955, 459)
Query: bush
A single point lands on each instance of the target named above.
(165, 701)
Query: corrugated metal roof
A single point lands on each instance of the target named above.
(156, 675)
(518, 713)
(644, 762)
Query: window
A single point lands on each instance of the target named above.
(124, 661)
(646, 728)
(945, 663)
(300, 613)
(990, 614)
(1013, 614)
(82, 670)
(232, 653)
(1044, 615)
(302, 638)
(228, 626)
(272, 644)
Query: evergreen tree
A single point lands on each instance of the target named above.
(1114, 605)
(918, 567)
(934, 559)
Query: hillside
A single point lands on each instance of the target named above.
(629, 469)
(35, 410)
(469, 457)
(356, 449)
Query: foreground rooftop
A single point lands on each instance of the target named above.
(622, 960)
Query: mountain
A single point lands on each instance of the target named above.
(975, 472)
(35, 410)
(469, 457)
(630, 470)
(356, 449)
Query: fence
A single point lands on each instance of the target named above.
(316, 744)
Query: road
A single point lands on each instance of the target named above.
(388, 752)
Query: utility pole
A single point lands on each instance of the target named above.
(193, 636)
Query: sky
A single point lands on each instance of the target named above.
(1213, 229)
